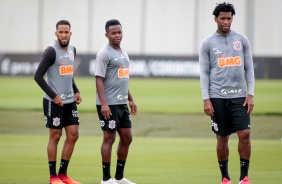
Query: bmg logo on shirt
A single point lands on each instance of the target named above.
(229, 61)
(123, 73)
(66, 69)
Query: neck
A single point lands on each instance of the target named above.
(223, 33)
(116, 47)
(64, 48)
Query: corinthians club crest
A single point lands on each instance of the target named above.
(237, 45)
(56, 121)
(112, 124)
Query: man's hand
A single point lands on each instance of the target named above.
(133, 108)
(77, 98)
(106, 111)
(250, 102)
(57, 100)
(208, 107)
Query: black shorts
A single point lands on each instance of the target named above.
(58, 117)
(230, 116)
(120, 118)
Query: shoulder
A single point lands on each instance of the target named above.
(50, 51)
(239, 36)
(73, 49)
(49, 56)
(104, 51)
(124, 52)
(103, 54)
(206, 41)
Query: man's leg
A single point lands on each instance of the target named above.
(244, 149)
(54, 137)
(222, 155)
(106, 152)
(122, 150)
(53, 115)
(71, 138)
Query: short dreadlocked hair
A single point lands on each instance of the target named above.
(223, 7)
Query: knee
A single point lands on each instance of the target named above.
(244, 135)
(222, 141)
(73, 137)
(55, 138)
(109, 140)
(222, 145)
(129, 140)
(126, 141)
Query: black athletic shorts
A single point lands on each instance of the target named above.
(230, 116)
(58, 117)
(120, 118)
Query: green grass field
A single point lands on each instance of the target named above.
(152, 160)
(151, 95)
(172, 143)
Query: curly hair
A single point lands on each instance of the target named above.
(223, 7)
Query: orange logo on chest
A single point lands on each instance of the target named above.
(229, 61)
(123, 73)
(66, 69)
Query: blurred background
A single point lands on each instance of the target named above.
(157, 33)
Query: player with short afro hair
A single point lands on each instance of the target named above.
(224, 7)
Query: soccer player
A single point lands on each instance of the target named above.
(60, 100)
(227, 84)
(112, 78)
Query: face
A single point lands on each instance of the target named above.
(114, 34)
(224, 21)
(63, 34)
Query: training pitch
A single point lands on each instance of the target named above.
(172, 144)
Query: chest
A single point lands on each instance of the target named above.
(226, 47)
(64, 57)
(118, 60)
(64, 63)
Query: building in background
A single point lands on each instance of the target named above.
(157, 33)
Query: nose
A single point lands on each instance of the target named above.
(118, 35)
(226, 21)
